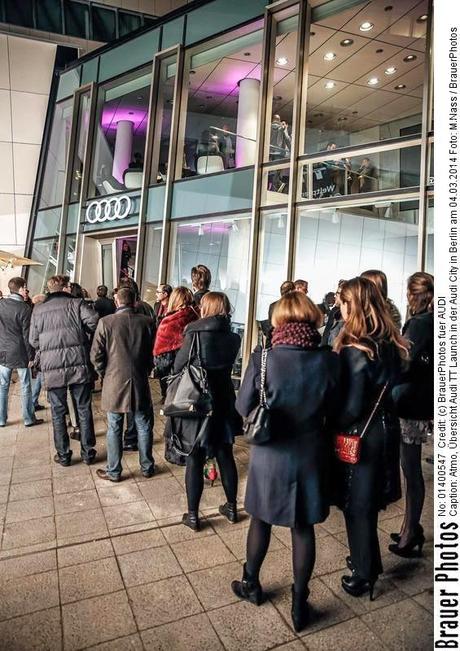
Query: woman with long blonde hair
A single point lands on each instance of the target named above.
(370, 349)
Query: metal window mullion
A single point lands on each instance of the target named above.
(361, 150)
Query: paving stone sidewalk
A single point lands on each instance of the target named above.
(85, 564)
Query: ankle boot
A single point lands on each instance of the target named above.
(229, 511)
(248, 588)
(191, 520)
(299, 610)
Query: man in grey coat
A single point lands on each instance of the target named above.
(60, 331)
(122, 356)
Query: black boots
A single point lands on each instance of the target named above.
(229, 511)
(248, 588)
(299, 610)
(191, 520)
(356, 586)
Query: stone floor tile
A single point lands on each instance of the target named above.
(330, 556)
(277, 569)
(30, 532)
(40, 507)
(335, 522)
(160, 486)
(163, 602)
(30, 490)
(70, 525)
(426, 599)
(134, 528)
(21, 475)
(130, 643)
(72, 502)
(391, 524)
(126, 514)
(33, 632)
(4, 493)
(245, 626)
(82, 628)
(179, 532)
(212, 585)
(193, 555)
(84, 553)
(352, 635)
(148, 565)
(122, 493)
(137, 541)
(73, 483)
(236, 539)
(191, 634)
(325, 608)
(26, 594)
(295, 645)
(167, 506)
(86, 580)
(410, 575)
(35, 459)
(385, 593)
(219, 523)
(404, 625)
(27, 565)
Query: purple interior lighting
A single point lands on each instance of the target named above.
(111, 116)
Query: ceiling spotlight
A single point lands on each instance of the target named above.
(346, 42)
(423, 18)
(277, 98)
(312, 33)
(329, 56)
(388, 8)
(247, 54)
(209, 97)
(282, 61)
(410, 57)
(379, 51)
(329, 85)
(193, 72)
(390, 71)
(354, 112)
(140, 97)
(130, 112)
(318, 115)
(200, 230)
(235, 228)
(400, 86)
(366, 26)
(202, 106)
(342, 119)
(373, 81)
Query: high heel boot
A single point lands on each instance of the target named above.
(191, 520)
(299, 610)
(229, 511)
(248, 588)
(356, 586)
(412, 548)
(396, 537)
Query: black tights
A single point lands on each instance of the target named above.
(194, 480)
(303, 552)
(411, 464)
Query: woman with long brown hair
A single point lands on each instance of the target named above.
(413, 398)
(379, 278)
(370, 349)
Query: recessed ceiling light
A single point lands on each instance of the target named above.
(366, 26)
(379, 50)
(400, 86)
(342, 119)
(354, 112)
(277, 98)
(373, 81)
(329, 85)
(281, 61)
(193, 72)
(130, 112)
(410, 57)
(312, 33)
(209, 97)
(388, 8)
(390, 71)
(202, 106)
(346, 42)
(318, 115)
(330, 56)
(140, 97)
(423, 18)
(247, 54)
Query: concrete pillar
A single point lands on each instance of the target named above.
(246, 125)
(123, 149)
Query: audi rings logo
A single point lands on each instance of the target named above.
(108, 210)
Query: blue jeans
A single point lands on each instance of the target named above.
(25, 376)
(37, 387)
(144, 426)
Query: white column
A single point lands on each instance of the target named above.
(246, 126)
(123, 149)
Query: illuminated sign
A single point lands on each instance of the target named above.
(108, 209)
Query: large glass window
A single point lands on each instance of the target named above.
(152, 262)
(223, 86)
(104, 24)
(342, 242)
(272, 260)
(77, 19)
(365, 75)
(45, 252)
(80, 146)
(49, 16)
(163, 119)
(119, 144)
(55, 166)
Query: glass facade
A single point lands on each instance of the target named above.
(280, 143)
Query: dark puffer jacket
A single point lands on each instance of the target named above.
(15, 350)
(60, 331)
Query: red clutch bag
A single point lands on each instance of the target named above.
(347, 447)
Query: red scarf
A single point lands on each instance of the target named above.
(170, 333)
(296, 334)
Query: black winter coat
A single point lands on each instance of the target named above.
(104, 306)
(219, 348)
(374, 482)
(15, 350)
(288, 480)
(414, 395)
(60, 331)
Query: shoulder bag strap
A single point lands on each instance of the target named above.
(373, 412)
(192, 349)
(263, 378)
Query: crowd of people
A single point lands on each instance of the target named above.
(344, 367)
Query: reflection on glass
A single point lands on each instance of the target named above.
(69, 256)
(337, 243)
(44, 251)
(281, 100)
(275, 186)
(163, 120)
(118, 153)
(54, 176)
(222, 105)
(223, 246)
(365, 86)
(272, 261)
(429, 241)
(152, 262)
(80, 144)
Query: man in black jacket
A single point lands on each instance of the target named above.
(103, 305)
(15, 350)
(60, 331)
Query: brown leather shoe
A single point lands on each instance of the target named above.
(102, 474)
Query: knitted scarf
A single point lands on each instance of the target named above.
(296, 334)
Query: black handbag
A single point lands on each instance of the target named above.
(257, 428)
